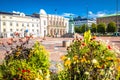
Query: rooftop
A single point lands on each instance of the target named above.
(110, 15)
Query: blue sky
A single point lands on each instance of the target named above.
(95, 8)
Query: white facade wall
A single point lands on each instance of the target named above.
(43, 25)
(17, 23)
(67, 24)
(88, 22)
(36, 26)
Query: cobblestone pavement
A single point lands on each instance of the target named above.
(55, 47)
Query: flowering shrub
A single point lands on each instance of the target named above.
(90, 59)
(22, 63)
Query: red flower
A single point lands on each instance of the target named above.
(20, 40)
(28, 71)
(11, 39)
(80, 38)
(94, 37)
(16, 33)
(27, 37)
(23, 71)
(109, 47)
(9, 43)
(19, 69)
(102, 66)
(83, 44)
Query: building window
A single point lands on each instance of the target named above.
(37, 30)
(10, 23)
(32, 25)
(23, 25)
(65, 24)
(44, 22)
(27, 25)
(3, 16)
(11, 30)
(37, 25)
(4, 30)
(32, 30)
(4, 23)
(10, 17)
(21, 30)
(16, 24)
(17, 30)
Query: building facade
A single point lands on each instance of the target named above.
(110, 18)
(39, 25)
(82, 21)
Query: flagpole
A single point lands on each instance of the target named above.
(56, 22)
(117, 14)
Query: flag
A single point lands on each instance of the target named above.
(55, 9)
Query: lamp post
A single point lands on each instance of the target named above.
(87, 17)
(56, 22)
(116, 13)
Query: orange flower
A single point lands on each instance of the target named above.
(118, 68)
(63, 58)
(98, 66)
(83, 44)
(75, 58)
(118, 59)
(109, 58)
(94, 37)
(109, 47)
(67, 63)
(83, 59)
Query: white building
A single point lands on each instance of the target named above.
(39, 25)
(81, 21)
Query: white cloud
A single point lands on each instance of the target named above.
(98, 14)
(90, 12)
(17, 12)
(67, 14)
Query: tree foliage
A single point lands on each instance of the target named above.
(83, 28)
(77, 29)
(93, 27)
(101, 28)
(111, 27)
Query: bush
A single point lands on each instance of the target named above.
(26, 63)
(90, 59)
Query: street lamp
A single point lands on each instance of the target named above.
(56, 22)
(87, 17)
(116, 11)
(117, 16)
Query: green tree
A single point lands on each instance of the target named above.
(83, 28)
(111, 27)
(94, 28)
(77, 29)
(101, 28)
